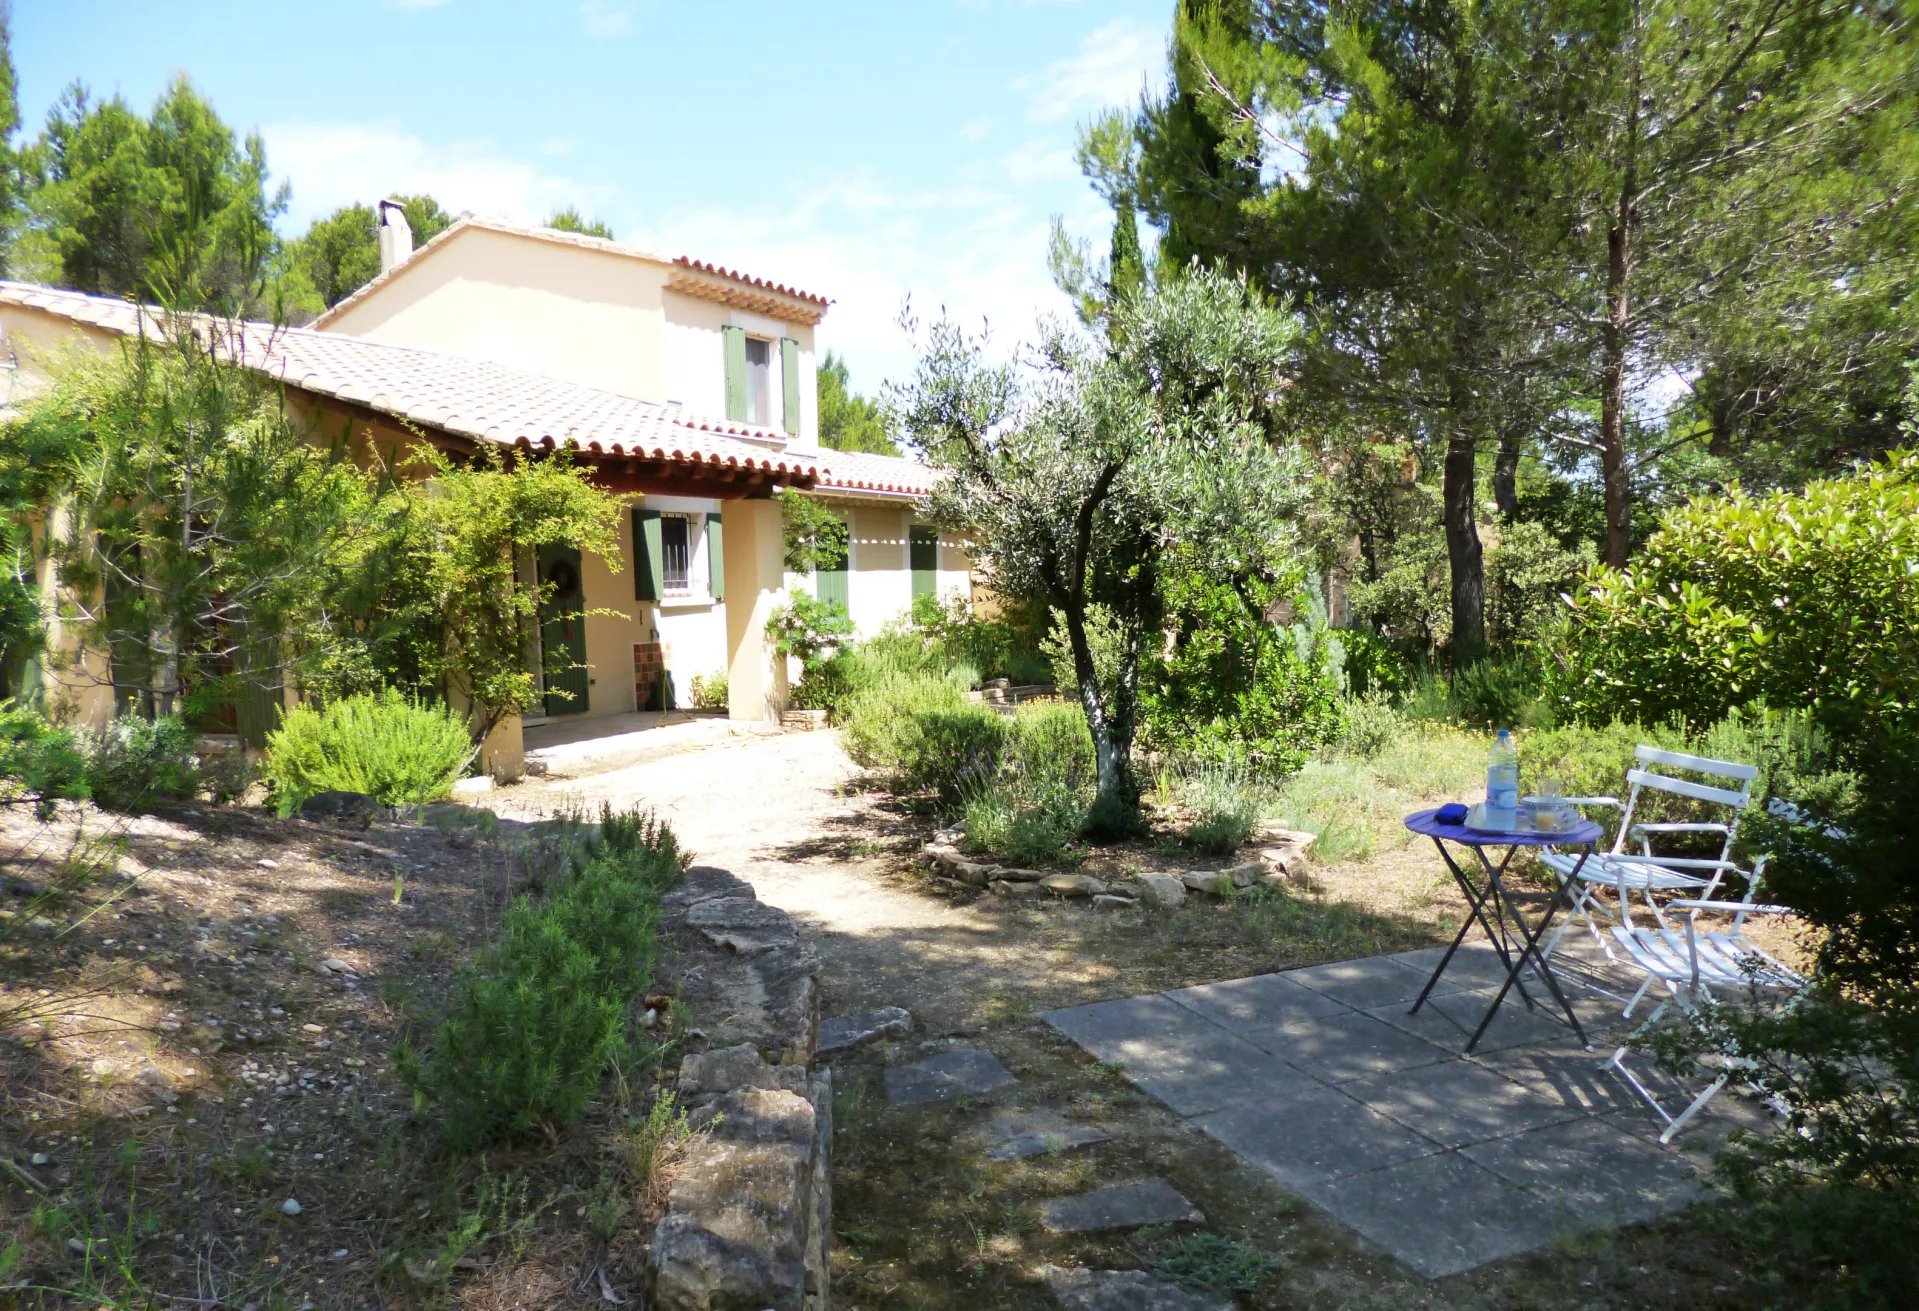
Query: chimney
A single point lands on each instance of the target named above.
(396, 238)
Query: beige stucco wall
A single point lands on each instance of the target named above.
(695, 361)
(563, 311)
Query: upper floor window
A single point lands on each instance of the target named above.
(762, 388)
(759, 381)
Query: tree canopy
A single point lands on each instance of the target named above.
(340, 253)
(570, 219)
(848, 420)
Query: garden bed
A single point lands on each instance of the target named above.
(202, 1104)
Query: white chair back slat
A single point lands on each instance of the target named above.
(1698, 764)
(1682, 787)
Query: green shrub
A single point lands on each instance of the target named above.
(1527, 572)
(1213, 1264)
(921, 733)
(1374, 665)
(543, 1012)
(1007, 646)
(40, 765)
(134, 763)
(807, 628)
(397, 751)
(1500, 693)
(709, 691)
(1796, 599)
(1226, 807)
(1031, 810)
(1369, 723)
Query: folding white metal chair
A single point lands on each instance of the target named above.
(1644, 873)
(1694, 963)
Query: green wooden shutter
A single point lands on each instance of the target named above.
(830, 581)
(925, 561)
(648, 582)
(790, 378)
(715, 559)
(734, 340)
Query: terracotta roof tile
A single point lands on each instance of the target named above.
(455, 394)
(854, 471)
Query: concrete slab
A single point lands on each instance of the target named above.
(1124, 1290)
(1351, 1045)
(1374, 981)
(1256, 1005)
(1442, 1214)
(1017, 1135)
(1169, 1053)
(1474, 965)
(1458, 1102)
(1596, 1172)
(941, 1078)
(1307, 1141)
(1449, 1021)
(1122, 1206)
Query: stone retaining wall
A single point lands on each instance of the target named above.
(749, 1215)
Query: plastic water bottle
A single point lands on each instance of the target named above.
(1502, 783)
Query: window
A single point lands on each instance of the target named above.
(759, 381)
(676, 554)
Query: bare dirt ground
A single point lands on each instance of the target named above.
(921, 1219)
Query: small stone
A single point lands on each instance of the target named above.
(1014, 891)
(39, 1158)
(1122, 1206)
(1021, 875)
(155, 1077)
(340, 1254)
(972, 873)
(291, 1206)
(334, 965)
(1211, 882)
(844, 1033)
(102, 1067)
(313, 1028)
(266, 863)
(1273, 835)
(1245, 874)
(1283, 862)
(76, 1245)
(1073, 885)
(1161, 890)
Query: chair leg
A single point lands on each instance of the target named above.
(1698, 1103)
(1627, 1013)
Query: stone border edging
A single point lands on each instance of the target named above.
(748, 1218)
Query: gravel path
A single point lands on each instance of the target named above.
(775, 811)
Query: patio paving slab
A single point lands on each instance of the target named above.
(1122, 1206)
(1595, 1170)
(1458, 1103)
(1171, 1054)
(1374, 981)
(1256, 1005)
(1305, 1142)
(1448, 1022)
(1441, 1214)
(1350, 1045)
(1474, 965)
(941, 1078)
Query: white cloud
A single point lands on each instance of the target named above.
(1111, 67)
(1044, 160)
(606, 17)
(338, 163)
(974, 130)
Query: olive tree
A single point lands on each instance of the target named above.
(1080, 468)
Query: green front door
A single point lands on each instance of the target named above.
(562, 630)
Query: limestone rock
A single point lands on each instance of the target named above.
(1283, 862)
(1212, 882)
(1013, 890)
(743, 924)
(1124, 1290)
(736, 1228)
(704, 883)
(844, 1033)
(972, 873)
(1273, 835)
(1011, 875)
(1245, 874)
(1073, 885)
(724, 1069)
(1162, 890)
(1109, 901)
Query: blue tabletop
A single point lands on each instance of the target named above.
(1425, 823)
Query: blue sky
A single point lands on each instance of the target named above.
(865, 151)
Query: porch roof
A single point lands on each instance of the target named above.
(473, 399)
(858, 472)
